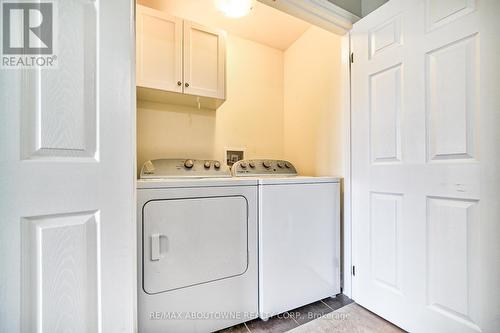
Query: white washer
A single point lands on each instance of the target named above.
(299, 235)
(197, 247)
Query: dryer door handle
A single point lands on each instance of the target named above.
(156, 247)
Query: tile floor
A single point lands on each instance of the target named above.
(333, 314)
(291, 319)
(350, 318)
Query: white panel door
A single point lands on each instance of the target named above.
(159, 50)
(425, 162)
(67, 233)
(204, 61)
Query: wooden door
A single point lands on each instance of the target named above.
(425, 161)
(159, 50)
(204, 61)
(67, 232)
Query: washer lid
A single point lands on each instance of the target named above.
(297, 180)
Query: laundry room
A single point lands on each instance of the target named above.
(237, 102)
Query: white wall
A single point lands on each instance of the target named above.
(368, 6)
(353, 6)
(251, 117)
(313, 122)
(360, 8)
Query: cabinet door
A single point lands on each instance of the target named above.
(204, 61)
(159, 50)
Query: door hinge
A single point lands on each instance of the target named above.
(352, 57)
(353, 270)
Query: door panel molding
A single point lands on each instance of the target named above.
(385, 36)
(61, 118)
(452, 78)
(385, 224)
(61, 273)
(439, 13)
(385, 114)
(451, 228)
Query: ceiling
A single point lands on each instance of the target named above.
(264, 24)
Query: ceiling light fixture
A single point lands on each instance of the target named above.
(234, 8)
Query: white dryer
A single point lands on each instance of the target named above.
(197, 247)
(299, 235)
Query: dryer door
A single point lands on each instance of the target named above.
(193, 241)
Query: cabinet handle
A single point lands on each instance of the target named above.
(187, 84)
(179, 83)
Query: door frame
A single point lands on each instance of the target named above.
(347, 183)
(133, 146)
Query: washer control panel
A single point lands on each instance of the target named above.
(251, 168)
(182, 168)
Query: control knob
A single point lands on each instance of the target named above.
(188, 164)
(243, 165)
(217, 165)
(266, 164)
(281, 165)
(252, 165)
(207, 164)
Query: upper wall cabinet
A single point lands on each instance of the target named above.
(179, 56)
(204, 61)
(159, 50)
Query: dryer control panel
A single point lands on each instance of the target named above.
(255, 168)
(184, 168)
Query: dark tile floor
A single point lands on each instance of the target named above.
(291, 319)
